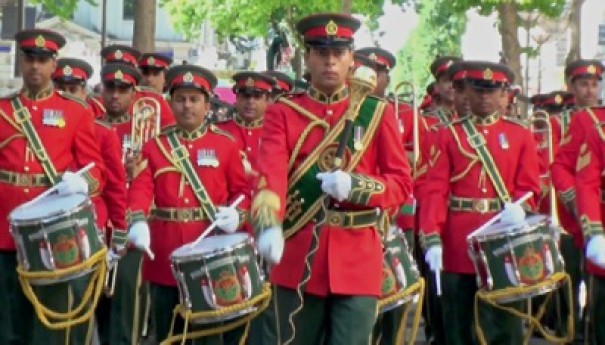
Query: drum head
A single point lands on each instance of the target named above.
(47, 207)
(498, 228)
(211, 244)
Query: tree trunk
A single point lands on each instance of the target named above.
(143, 38)
(510, 39)
(575, 22)
(347, 6)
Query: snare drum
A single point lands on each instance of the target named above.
(508, 256)
(219, 272)
(399, 270)
(55, 233)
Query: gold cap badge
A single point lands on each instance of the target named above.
(151, 61)
(331, 28)
(67, 71)
(591, 69)
(373, 57)
(118, 54)
(488, 74)
(558, 99)
(40, 41)
(188, 77)
(118, 75)
(250, 82)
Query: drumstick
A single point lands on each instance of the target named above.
(215, 223)
(438, 282)
(55, 187)
(498, 216)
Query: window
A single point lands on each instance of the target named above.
(128, 9)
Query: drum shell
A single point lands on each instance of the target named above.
(399, 268)
(218, 279)
(71, 236)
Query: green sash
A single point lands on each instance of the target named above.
(477, 142)
(180, 159)
(304, 190)
(23, 118)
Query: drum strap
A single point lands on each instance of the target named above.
(23, 118)
(477, 142)
(180, 158)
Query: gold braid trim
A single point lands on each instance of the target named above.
(416, 289)
(491, 298)
(66, 320)
(261, 302)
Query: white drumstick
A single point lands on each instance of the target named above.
(498, 216)
(438, 282)
(55, 187)
(149, 253)
(215, 223)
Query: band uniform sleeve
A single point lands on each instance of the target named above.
(435, 192)
(86, 150)
(563, 168)
(588, 184)
(391, 184)
(141, 191)
(114, 192)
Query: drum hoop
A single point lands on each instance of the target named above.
(212, 254)
(503, 234)
(51, 217)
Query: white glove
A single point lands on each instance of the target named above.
(595, 250)
(335, 183)
(271, 245)
(227, 219)
(72, 183)
(139, 235)
(112, 259)
(513, 214)
(393, 230)
(434, 258)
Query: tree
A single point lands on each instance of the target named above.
(439, 32)
(510, 21)
(255, 18)
(143, 38)
(575, 21)
(60, 8)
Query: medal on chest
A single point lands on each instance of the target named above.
(53, 117)
(207, 158)
(503, 141)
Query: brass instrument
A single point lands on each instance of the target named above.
(145, 122)
(539, 123)
(403, 91)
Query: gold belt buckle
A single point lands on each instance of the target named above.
(481, 205)
(184, 215)
(336, 218)
(24, 180)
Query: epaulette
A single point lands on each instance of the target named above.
(72, 98)
(97, 103)
(103, 123)
(515, 121)
(167, 129)
(219, 131)
(146, 89)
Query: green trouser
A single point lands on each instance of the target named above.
(164, 299)
(331, 320)
(458, 301)
(262, 328)
(122, 316)
(20, 325)
(388, 323)
(596, 310)
(573, 266)
(16, 313)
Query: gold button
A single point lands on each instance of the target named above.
(329, 112)
(248, 148)
(26, 168)
(26, 190)
(249, 132)
(186, 200)
(190, 146)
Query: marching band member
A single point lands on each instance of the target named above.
(462, 196)
(153, 67)
(181, 212)
(283, 83)
(44, 134)
(337, 298)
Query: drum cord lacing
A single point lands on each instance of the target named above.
(415, 289)
(261, 301)
(491, 298)
(90, 298)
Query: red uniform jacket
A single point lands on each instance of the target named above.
(590, 184)
(247, 134)
(564, 167)
(347, 262)
(161, 184)
(455, 170)
(70, 146)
